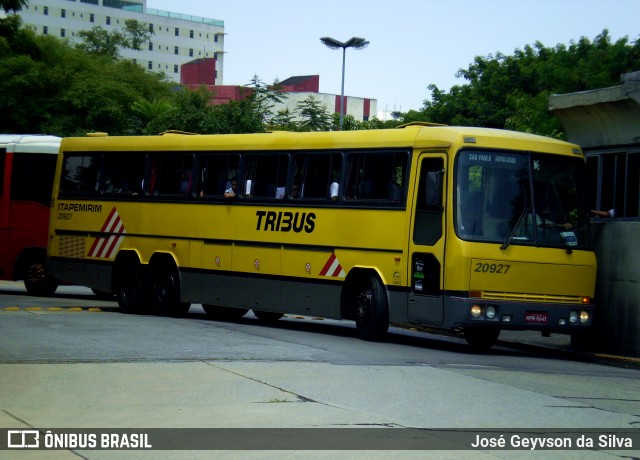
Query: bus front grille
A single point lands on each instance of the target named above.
(525, 297)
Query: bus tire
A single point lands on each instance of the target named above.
(165, 289)
(371, 308)
(36, 280)
(268, 316)
(130, 285)
(224, 313)
(481, 338)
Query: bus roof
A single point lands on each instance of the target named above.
(408, 136)
(30, 143)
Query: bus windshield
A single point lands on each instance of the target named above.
(521, 198)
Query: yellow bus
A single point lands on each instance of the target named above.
(463, 229)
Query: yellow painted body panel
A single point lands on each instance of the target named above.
(234, 236)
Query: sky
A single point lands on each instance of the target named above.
(413, 43)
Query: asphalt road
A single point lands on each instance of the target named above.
(74, 361)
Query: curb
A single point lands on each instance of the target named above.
(57, 309)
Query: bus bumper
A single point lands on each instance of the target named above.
(515, 315)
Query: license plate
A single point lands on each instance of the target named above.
(536, 317)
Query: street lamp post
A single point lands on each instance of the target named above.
(355, 43)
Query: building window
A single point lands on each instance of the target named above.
(190, 52)
(614, 179)
(92, 17)
(45, 30)
(63, 13)
(215, 38)
(191, 34)
(175, 50)
(177, 31)
(108, 20)
(46, 11)
(62, 33)
(150, 46)
(150, 27)
(150, 65)
(215, 56)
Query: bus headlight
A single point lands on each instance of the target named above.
(476, 310)
(491, 312)
(573, 317)
(584, 317)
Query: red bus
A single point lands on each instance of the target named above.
(27, 166)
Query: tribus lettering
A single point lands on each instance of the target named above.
(285, 221)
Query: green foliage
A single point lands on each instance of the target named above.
(13, 5)
(191, 111)
(101, 42)
(51, 87)
(512, 91)
(315, 116)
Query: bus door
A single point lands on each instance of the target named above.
(426, 245)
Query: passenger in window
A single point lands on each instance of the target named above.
(231, 191)
(610, 213)
(295, 192)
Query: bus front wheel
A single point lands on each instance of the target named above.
(371, 308)
(480, 338)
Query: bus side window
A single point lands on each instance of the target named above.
(170, 174)
(376, 176)
(124, 174)
(80, 173)
(316, 176)
(265, 175)
(214, 174)
(427, 228)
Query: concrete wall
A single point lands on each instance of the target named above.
(618, 286)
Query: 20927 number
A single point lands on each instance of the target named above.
(500, 269)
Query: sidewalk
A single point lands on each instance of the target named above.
(535, 341)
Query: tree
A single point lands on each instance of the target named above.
(315, 116)
(512, 91)
(13, 5)
(263, 97)
(101, 42)
(51, 87)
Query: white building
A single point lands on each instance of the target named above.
(176, 39)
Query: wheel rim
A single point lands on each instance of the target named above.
(166, 288)
(35, 273)
(364, 306)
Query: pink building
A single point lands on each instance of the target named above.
(202, 72)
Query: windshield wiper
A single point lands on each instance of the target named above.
(512, 233)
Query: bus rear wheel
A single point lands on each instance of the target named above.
(224, 313)
(481, 338)
(268, 316)
(165, 288)
(36, 280)
(371, 308)
(130, 286)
